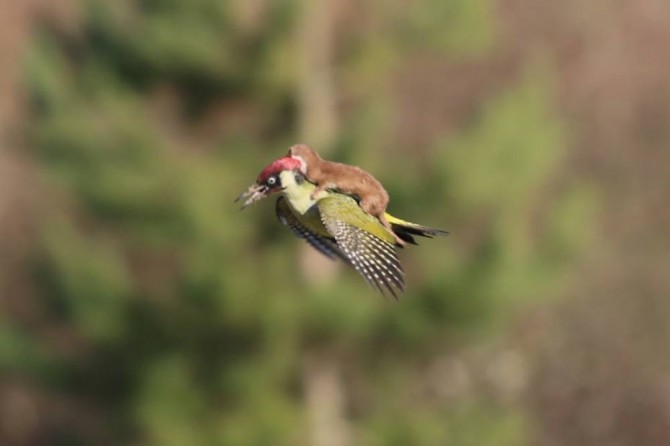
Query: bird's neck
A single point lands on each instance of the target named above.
(298, 194)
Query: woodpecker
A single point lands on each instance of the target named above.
(351, 180)
(335, 224)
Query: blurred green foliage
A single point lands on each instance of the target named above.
(196, 317)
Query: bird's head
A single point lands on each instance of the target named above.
(269, 180)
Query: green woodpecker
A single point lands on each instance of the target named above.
(336, 225)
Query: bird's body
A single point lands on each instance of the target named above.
(302, 200)
(336, 225)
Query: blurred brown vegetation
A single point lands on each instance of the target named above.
(584, 360)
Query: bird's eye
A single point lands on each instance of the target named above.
(271, 181)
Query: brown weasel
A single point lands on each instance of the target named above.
(351, 180)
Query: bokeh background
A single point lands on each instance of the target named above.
(139, 307)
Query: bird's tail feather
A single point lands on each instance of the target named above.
(406, 230)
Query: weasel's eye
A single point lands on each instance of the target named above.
(271, 181)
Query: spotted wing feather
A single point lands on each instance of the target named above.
(374, 259)
(326, 246)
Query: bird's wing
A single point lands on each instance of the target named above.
(326, 246)
(355, 233)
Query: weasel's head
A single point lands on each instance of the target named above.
(305, 155)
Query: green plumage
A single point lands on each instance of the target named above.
(335, 225)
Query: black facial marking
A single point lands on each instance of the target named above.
(272, 181)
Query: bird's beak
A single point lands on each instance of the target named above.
(253, 194)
